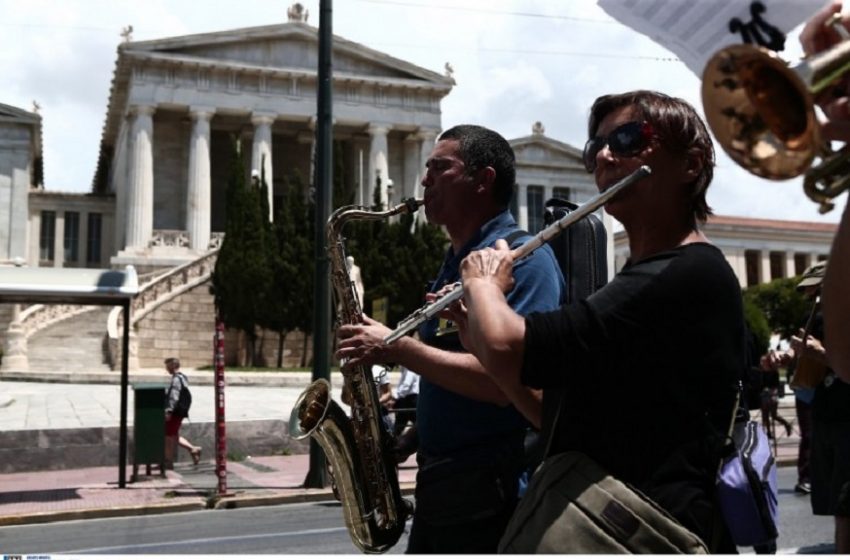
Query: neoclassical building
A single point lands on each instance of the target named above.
(20, 171)
(759, 250)
(176, 106)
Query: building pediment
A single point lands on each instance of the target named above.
(539, 149)
(291, 47)
(10, 113)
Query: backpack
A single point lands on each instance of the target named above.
(184, 401)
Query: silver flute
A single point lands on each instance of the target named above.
(431, 309)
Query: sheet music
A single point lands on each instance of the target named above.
(695, 30)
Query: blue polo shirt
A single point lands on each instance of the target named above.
(446, 421)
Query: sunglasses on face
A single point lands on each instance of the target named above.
(627, 140)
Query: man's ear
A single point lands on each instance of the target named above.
(484, 178)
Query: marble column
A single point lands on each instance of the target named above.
(522, 206)
(428, 138)
(199, 190)
(764, 266)
(261, 152)
(789, 264)
(59, 240)
(139, 225)
(412, 175)
(378, 162)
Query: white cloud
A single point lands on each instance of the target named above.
(512, 68)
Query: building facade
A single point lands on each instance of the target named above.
(20, 171)
(759, 250)
(177, 106)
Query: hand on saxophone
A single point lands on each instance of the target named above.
(817, 36)
(363, 344)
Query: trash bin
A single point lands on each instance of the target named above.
(149, 427)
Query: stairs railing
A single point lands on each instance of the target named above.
(153, 295)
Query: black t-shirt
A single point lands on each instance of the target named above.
(648, 367)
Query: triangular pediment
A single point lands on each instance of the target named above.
(290, 46)
(8, 112)
(540, 149)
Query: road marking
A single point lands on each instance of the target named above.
(142, 546)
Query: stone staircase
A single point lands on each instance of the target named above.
(75, 344)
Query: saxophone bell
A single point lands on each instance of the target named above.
(358, 447)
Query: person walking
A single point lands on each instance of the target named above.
(177, 407)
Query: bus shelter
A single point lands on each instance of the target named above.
(80, 286)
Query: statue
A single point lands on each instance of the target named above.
(450, 72)
(537, 129)
(127, 33)
(356, 278)
(297, 12)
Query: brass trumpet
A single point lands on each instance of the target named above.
(762, 113)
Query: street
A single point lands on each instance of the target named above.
(310, 528)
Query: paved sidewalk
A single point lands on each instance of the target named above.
(32, 497)
(41, 497)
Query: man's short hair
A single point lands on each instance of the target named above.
(481, 147)
(175, 361)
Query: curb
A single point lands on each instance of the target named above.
(229, 502)
(101, 513)
(322, 495)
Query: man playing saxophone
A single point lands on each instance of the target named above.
(471, 453)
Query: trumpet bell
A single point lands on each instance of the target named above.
(760, 111)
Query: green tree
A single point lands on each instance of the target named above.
(294, 271)
(757, 324)
(273, 308)
(242, 277)
(784, 307)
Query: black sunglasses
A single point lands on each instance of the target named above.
(627, 140)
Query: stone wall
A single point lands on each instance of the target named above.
(5, 319)
(184, 327)
(45, 450)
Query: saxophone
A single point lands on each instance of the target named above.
(358, 448)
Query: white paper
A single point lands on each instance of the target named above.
(695, 29)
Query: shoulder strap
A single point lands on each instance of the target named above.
(513, 236)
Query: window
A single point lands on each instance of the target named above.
(93, 239)
(72, 236)
(47, 236)
(535, 209)
(562, 193)
(777, 265)
(752, 260)
(800, 261)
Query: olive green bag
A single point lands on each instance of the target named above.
(573, 506)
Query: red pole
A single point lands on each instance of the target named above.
(220, 435)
